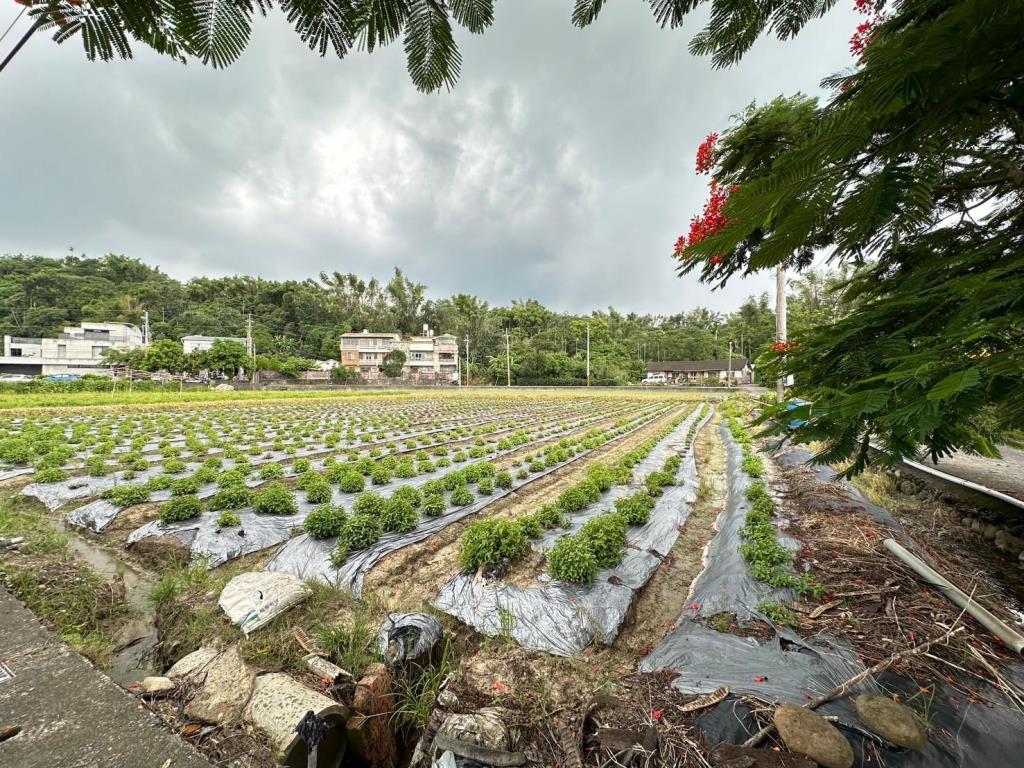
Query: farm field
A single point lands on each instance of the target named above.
(610, 553)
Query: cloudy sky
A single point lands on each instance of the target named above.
(560, 168)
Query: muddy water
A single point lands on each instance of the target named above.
(133, 657)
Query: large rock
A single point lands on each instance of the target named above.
(484, 728)
(225, 690)
(892, 721)
(195, 664)
(279, 702)
(808, 733)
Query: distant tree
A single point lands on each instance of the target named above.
(343, 374)
(164, 355)
(293, 367)
(127, 358)
(227, 357)
(394, 362)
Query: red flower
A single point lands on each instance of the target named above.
(782, 346)
(680, 245)
(706, 154)
(716, 259)
(656, 714)
(865, 30)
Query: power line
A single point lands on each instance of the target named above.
(9, 28)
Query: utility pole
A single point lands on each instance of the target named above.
(588, 354)
(780, 322)
(728, 381)
(250, 345)
(508, 359)
(145, 327)
(467, 361)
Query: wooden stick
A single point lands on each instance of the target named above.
(857, 679)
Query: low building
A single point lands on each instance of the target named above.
(78, 350)
(190, 344)
(428, 357)
(736, 371)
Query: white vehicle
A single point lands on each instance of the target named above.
(15, 377)
(655, 378)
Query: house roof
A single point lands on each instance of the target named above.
(697, 366)
(213, 338)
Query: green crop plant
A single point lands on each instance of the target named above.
(410, 494)
(361, 531)
(486, 543)
(571, 560)
(275, 499)
(434, 505)
(399, 515)
(231, 497)
(228, 519)
(271, 471)
(462, 497)
(605, 536)
(369, 504)
(325, 521)
(181, 508)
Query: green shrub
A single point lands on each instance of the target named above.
(572, 500)
(399, 515)
(325, 521)
(340, 552)
(489, 542)
(184, 486)
(530, 526)
(454, 480)
(503, 479)
(231, 497)
(181, 508)
(635, 508)
(228, 519)
(271, 471)
(590, 489)
(462, 497)
(319, 492)
(308, 479)
(522, 474)
(434, 505)
(361, 531)
(405, 469)
(571, 560)
(369, 503)
(425, 466)
(129, 494)
(486, 486)
(174, 466)
(98, 466)
(300, 466)
(275, 499)
(380, 475)
(352, 482)
(433, 487)
(550, 516)
(365, 465)
(601, 474)
(15, 450)
(231, 477)
(50, 475)
(159, 482)
(605, 535)
(410, 494)
(752, 465)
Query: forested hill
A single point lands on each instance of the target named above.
(304, 318)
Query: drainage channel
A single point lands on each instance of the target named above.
(133, 657)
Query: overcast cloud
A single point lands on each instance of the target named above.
(560, 168)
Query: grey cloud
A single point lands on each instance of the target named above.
(560, 168)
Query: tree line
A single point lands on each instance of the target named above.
(297, 321)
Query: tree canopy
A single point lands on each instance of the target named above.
(911, 176)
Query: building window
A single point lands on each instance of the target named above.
(419, 355)
(350, 343)
(15, 352)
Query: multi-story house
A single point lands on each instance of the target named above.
(190, 344)
(78, 350)
(428, 357)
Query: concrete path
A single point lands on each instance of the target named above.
(1005, 475)
(70, 714)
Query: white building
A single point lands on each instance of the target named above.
(79, 349)
(190, 344)
(427, 357)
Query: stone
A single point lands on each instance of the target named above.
(989, 532)
(976, 524)
(225, 690)
(966, 521)
(369, 732)
(194, 664)
(279, 702)
(1000, 539)
(484, 728)
(808, 733)
(326, 670)
(153, 685)
(892, 721)
(907, 487)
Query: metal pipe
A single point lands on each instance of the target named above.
(993, 624)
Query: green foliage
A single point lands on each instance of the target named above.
(462, 497)
(231, 497)
(571, 559)
(393, 363)
(433, 505)
(503, 479)
(181, 508)
(369, 504)
(399, 515)
(410, 494)
(318, 492)
(325, 521)
(275, 499)
(605, 537)
(49, 475)
(271, 471)
(352, 482)
(128, 494)
(635, 508)
(486, 543)
(361, 531)
(228, 519)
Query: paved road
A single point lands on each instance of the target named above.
(72, 715)
(1005, 475)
